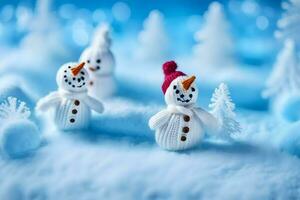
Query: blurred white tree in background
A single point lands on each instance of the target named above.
(45, 35)
(289, 23)
(153, 42)
(43, 46)
(285, 76)
(214, 48)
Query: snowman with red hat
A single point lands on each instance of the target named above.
(71, 102)
(182, 124)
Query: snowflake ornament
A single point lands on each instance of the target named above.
(13, 108)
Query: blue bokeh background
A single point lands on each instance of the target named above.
(256, 44)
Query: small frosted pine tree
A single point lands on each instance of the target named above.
(285, 77)
(289, 23)
(152, 40)
(223, 108)
(214, 48)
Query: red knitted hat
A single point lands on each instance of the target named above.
(170, 72)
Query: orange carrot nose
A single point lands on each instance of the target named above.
(77, 69)
(188, 82)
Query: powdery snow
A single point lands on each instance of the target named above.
(101, 164)
(112, 168)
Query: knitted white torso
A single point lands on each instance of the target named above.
(72, 112)
(182, 130)
(101, 87)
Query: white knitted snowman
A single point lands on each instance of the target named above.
(181, 125)
(100, 63)
(71, 102)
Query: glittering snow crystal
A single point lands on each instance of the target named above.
(222, 108)
(18, 135)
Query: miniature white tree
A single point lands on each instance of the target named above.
(285, 77)
(214, 48)
(223, 108)
(153, 40)
(289, 23)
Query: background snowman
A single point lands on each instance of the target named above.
(182, 124)
(71, 102)
(100, 63)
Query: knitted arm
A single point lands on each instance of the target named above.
(48, 101)
(94, 104)
(159, 119)
(209, 122)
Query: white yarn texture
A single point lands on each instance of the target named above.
(64, 103)
(169, 124)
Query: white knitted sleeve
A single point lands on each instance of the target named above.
(159, 119)
(210, 123)
(48, 101)
(94, 104)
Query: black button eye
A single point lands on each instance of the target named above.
(177, 91)
(69, 67)
(174, 87)
(88, 61)
(65, 71)
(193, 89)
(98, 67)
(191, 95)
(98, 61)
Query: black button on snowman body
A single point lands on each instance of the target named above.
(75, 111)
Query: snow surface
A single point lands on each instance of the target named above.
(19, 138)
(118, 159)
(106, 167)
